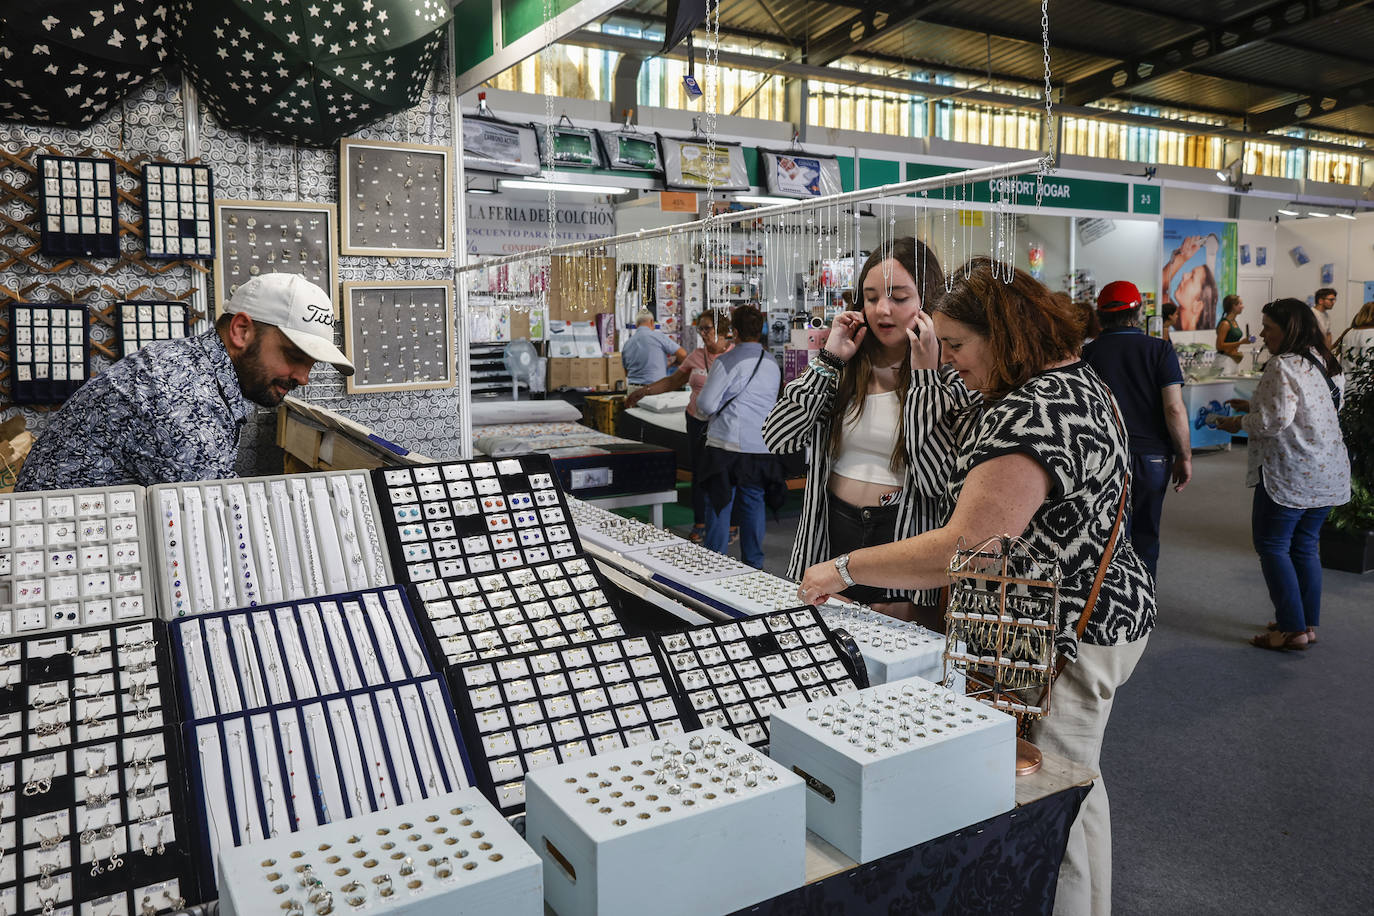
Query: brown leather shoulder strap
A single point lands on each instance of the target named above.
(1102, 566)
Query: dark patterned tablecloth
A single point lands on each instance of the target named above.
(1007, 864)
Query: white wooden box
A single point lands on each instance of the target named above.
(453, 855)
(892, 649)
(617, 842)
(876, 787)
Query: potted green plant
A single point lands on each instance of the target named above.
(1347, 538)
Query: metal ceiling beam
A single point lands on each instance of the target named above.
(1314, 106)
(1202, 46)
(626, 45)
(869, 24)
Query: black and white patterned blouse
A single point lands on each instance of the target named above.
(801, 420)
(1065, 420)
(172, 411)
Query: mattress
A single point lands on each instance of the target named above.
(668, 430)
(589, 464)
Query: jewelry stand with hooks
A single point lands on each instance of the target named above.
(1000, 626)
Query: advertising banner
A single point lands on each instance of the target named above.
(1200, 258)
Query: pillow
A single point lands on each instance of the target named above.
(486, 413)
(671, 402)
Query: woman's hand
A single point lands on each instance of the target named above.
(847, 331)
(1239, 404)
(1188, 247)
(634, 397)
(1229, 424)
(820, 582)
(925, 348)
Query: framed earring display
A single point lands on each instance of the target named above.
(77, 207)
(176, 211)
(141, 323)
(396, 199)
(264, 237)
(399, 335)
(49, 350)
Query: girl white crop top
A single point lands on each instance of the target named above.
(867, 444)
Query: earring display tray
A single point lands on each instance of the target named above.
(242, 661)
(96, 827)
(72, 558)
(513, 611)
(224, 545)
(902, 763)
(76, 204)
(89, 685)
(527, 712)
(285, 770)
(264, 237)
(176, 210)
(735, 674)
(396, 199)
(470, 517)
(892, 649)
(751, 594)
(615, 532)
(49, 351)
(450, 854)
(141, 323)
(399, 335)
(616, 830)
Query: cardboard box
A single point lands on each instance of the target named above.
(15, 442)
(578, 372)
(602, 412)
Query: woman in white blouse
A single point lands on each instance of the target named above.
(1297, 464)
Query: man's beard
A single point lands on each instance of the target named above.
(257, 386)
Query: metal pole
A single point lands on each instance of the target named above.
(935, 182)
(460, 256)
(190, 138)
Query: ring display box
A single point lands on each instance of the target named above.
(615, 532)
(395, 199)
(76, 203)
(177, 198)
(689, 564)
(398, 335)
(242, 661)
(470, 517)
(72, 558)
(223, 545)
(733, 675)
(694, 825)
(892, 649)
(141, 323)
(751, 594)
(892, 766)
(278, 771)
(527, 712)
(452, 854)
(49, 351)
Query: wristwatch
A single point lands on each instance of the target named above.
(842, 567)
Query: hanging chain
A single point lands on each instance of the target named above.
(550, 62)
(1048, 161)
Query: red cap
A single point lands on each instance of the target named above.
(1118, 296)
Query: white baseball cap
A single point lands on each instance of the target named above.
(296, 307)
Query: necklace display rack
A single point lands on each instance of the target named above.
(734, 674)
(450, 854)
(72, 558)
(662, 822)
(527, 712)
(223, 545)
(92, 815)
(893, 766)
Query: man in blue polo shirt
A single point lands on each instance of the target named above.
(649, 354)
(1143, 374)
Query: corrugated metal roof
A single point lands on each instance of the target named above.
(1209, 93)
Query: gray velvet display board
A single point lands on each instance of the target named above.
(263, 237)
(398, 335)
(395, 199)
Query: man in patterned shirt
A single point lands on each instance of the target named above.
(174, 410)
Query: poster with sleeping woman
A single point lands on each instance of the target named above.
(1199, 270)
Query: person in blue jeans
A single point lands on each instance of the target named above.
(736, 466)
(1298, 465)
(1144, 376)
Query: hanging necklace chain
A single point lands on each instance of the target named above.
(1047, 163)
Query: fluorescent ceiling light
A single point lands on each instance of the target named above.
(481, 190)
(1222, 176)
(530, 184)
(759, 199)
(1288, 212)
(1319, 215)
(1346, 215)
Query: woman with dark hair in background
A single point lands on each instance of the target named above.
(1229, 334)
(1168, 314)
(737, 466)
(848, 409)
(714, 329)
(1038, 452)
(1297, 464)
(1355, 342)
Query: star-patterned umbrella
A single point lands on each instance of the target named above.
(310, 71)
(64, 62)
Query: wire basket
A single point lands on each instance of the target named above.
(1000, 626)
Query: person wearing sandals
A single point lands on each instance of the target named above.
(1039, 451)
(714, 330)
(848, 410)
(1297, 464)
